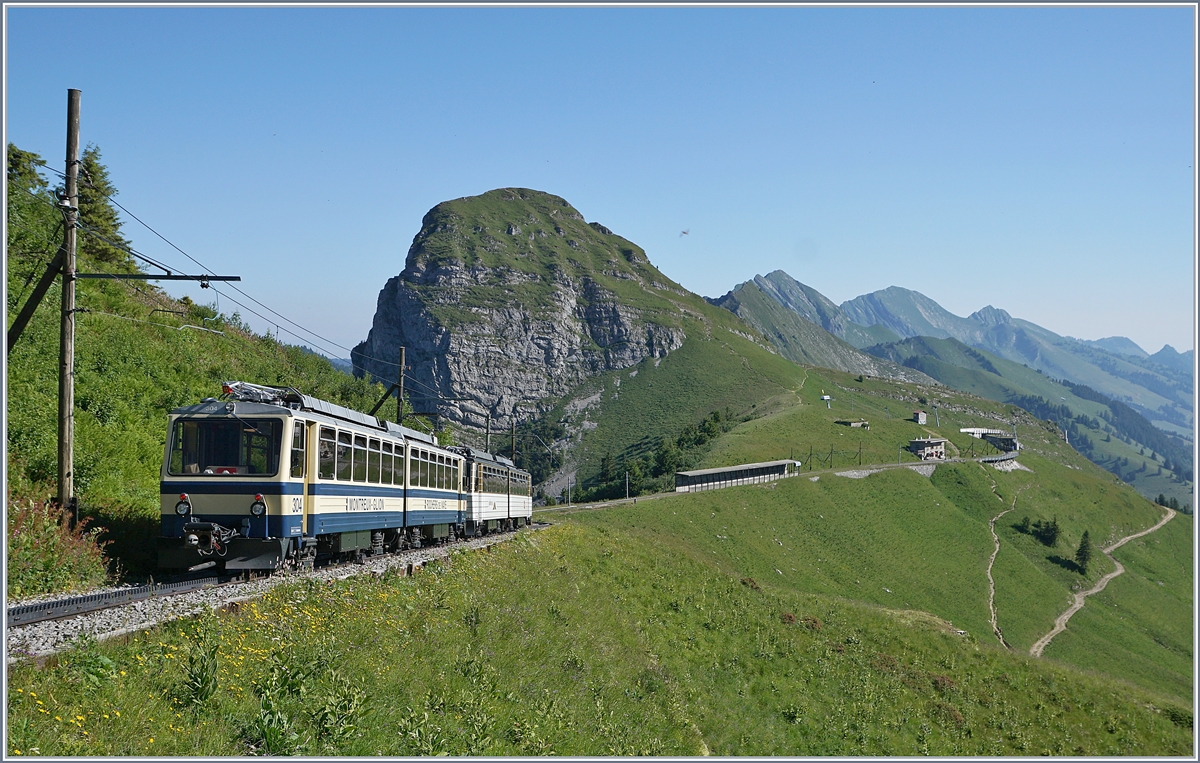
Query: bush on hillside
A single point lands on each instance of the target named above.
(45, 554)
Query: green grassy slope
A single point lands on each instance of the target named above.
(925, 539)
(1140, 627)
(717, 368)
(575, 640)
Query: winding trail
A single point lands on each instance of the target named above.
(1060, 624)
(991, 582)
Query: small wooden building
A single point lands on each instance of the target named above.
(929, 448)
(919, 417)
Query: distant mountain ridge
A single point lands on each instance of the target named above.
(1121, 345)
(1158, 386)
(808, 341)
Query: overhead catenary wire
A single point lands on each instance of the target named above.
(130, 250)
(92, 311)
(311, 334)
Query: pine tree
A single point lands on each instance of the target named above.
(1084, 554)
(23, 169)
(34, 225)
(100, 240)
(666, 458)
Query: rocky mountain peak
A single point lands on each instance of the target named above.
(990, 316)
(510, 299)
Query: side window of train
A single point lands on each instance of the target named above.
(398, 468)
(385, 474)
(298, 449)
(344, 449)
(373, 460)
(325, 450)
(360, 458)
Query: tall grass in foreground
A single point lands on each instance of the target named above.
(575, 641)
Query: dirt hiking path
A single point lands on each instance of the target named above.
(1060, 624)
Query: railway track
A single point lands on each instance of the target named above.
(74, 606)
(56, 609)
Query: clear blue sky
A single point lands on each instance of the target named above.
(1036, 159)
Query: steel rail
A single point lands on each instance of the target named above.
(26, 614)
(57, 609)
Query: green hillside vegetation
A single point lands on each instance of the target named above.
(1108, 432)
(716, 370)
(139, 354)
(816, 615)
(915, 535)
(1134, 629)
(576, 640)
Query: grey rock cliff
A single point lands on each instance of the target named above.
(508, 301)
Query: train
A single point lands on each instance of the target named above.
(264, 478)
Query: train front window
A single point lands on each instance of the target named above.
(229, 447)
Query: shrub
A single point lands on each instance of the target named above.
(45, 555)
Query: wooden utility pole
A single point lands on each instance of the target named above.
(487, 440)
(66, 347)
(513, 450)
(400, 393)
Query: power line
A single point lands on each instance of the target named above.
(149, 323)
(310, 332)
(130, 250)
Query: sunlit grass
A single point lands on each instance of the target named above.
(573, 640)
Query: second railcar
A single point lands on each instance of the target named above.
(496, 494)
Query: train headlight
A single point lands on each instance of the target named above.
(258, 508)
(192, 539)
(184, 507)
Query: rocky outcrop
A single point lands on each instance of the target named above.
(508, 301)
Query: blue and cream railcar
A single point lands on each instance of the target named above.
(496, 493)
(271, 476)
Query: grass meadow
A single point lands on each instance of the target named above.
(575, 640)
